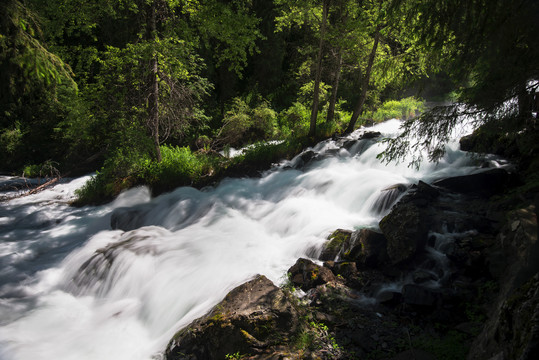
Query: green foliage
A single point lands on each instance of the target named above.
(31, 171)
(235, 356)
(37, 91)
(179, 166)
(403, 109)
(488, 48)
(263, 155)
(306, 93)
(11, 139)
(233, 27)
(243, 125)
(128, 168)
(314, 336)
(46, 169)
(294, 121)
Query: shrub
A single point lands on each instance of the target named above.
(236, 122)
(295, 120)
(397, 109)
(243, 124)
(264, 122)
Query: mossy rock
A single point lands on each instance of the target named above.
(338, 241)
(253, 319)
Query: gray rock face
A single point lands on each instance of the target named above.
(252, 319)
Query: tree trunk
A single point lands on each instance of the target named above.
(154, 87)
(364, 85)
(335, 87)
(318, 70)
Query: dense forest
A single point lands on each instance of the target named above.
(150, 91)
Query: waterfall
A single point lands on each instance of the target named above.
(73, 287)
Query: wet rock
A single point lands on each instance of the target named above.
(468, 142)
(370, 248)
(387, 197)
(338, 240)
(254, 318)
(491, 142)
(127, 219)
(485, 183)
(303, 159)
(346, 269)
(515, 332)
(349, 144)
(405, 230)
(365, 247)
(370, 135)
(306, 274)
(99, 265)
(426, 191)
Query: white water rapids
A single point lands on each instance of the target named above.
(60, 299)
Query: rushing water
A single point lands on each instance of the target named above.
(73, 288)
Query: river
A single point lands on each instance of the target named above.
(73, 288)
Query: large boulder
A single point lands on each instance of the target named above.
(485, 183)
(370, 248)
(405, 230)
(407, 225)
(252, 320)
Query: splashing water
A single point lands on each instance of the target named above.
(73, 288)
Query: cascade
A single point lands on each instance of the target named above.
(117, 281)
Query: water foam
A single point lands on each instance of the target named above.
(73, 288)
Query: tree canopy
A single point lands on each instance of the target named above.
(87, 84)
(489, 49)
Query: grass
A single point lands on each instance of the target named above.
(179, 167)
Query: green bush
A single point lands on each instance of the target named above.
(178, 167)
(262, 155)
(243, 124)
(236, 122)
(397, 109)
(119, 172)
(264, 120)
(295, 120)
(31, 171)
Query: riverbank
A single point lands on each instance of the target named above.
(450, 273)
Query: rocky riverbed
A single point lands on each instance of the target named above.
(450, 273)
